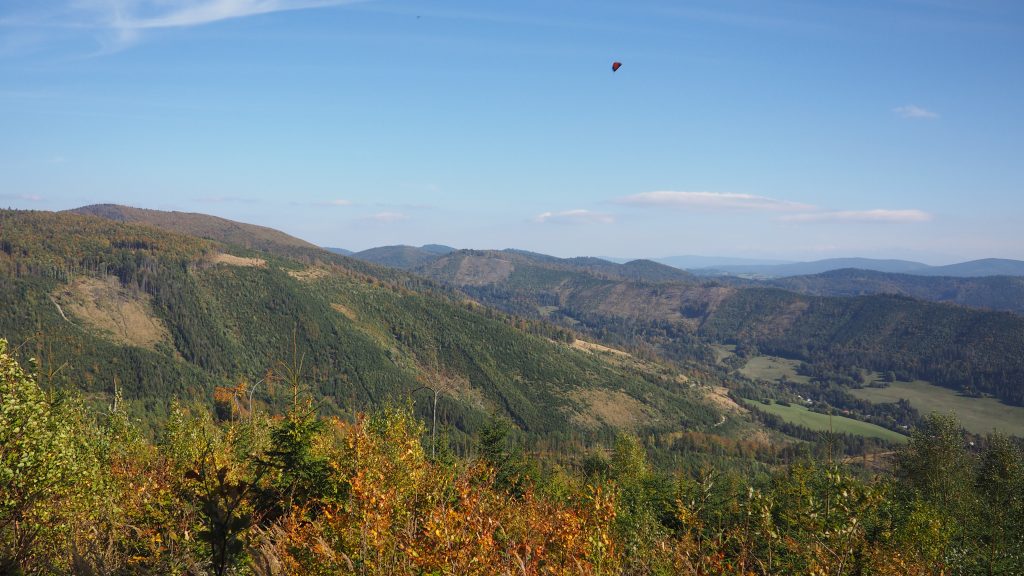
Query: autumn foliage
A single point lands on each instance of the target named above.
(86, 493)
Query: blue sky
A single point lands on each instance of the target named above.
(796, 130)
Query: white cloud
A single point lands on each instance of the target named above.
(573, 217)
(712, 201)
(877, 215)
(336, 202)
(389, 217)
(915, 112)
(149, 14)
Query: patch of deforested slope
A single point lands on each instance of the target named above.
(362, 342)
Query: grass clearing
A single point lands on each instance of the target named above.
(773, 369)
(978, 415)
(546, 311)
(723, 351)
(795, 414)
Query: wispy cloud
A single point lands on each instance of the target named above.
(388, 217)
(335, 202)
(573, 217)
(711, 201)
(915, 112)
(150, 14)
(877, 215)
(225, 199)
(406, 205)
(124, 21)
(25, 197)
(790, 211)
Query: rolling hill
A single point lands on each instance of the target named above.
(402, 257)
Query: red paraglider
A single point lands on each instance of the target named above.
(616, 66)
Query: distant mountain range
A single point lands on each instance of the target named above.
(690, 262)
(420, 260)
(410, 257)
(974, 284)
(974, 268)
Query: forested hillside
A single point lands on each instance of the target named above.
(990, 292)
(156, 315)
(975, 351)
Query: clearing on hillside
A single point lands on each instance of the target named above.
(121, 315)
(611, 407)
(238, 261)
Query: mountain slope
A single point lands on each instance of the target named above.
(816, 267)
(228, 313)
(984, 267)
(201, 225)
(401, 257)
(992, 292)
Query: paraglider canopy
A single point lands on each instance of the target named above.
(616, 66)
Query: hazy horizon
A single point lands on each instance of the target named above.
(768, 130)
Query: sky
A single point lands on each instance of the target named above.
(790, 130)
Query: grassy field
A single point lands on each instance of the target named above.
(546, 311)
(723, 351)
(815, 421)
(978, 415)
(772, 368)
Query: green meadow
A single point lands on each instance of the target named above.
(978, 415)
(795, 414)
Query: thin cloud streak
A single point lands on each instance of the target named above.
(877, 215)
(915, 112)
(573, 217)
(225, 199)
(25, 197)
(712, 201)
(150, 14)
(388, 217)
(125, 21)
